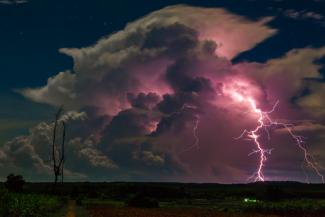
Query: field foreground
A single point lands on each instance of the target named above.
(124, 199)
(137, 212)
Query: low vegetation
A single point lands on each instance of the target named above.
(20, 199)
(27, 205)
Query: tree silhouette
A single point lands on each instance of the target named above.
(58, 149)
(14, 183)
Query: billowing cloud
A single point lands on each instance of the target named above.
(299, 66)
(31, 154)
(58, 90)
(314, 101)
(162, 100)
(112, 65)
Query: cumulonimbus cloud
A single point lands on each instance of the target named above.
(154, 95)
(152, 41)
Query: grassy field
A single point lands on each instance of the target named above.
(164, 200)
(134, 212)
(28, 205)
(209, 208)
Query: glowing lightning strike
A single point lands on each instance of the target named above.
(264, 122)
(253, 134)
(195, 134)
(195, 126)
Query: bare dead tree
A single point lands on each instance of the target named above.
(58, 151)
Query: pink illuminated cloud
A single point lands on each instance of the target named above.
(164, 99)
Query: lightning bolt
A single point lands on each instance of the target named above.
(195, 134)
(265, 122)
(195, 126)
(254, 135)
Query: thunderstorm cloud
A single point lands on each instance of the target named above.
(150, 102)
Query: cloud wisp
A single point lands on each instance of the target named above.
(12, 2)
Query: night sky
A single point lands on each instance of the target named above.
(164, 90)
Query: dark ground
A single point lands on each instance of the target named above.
(179, 199)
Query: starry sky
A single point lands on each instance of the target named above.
(147, 88)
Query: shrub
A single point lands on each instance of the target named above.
(142, 201)
(274, 193)
(15, 183)
(79, 200)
